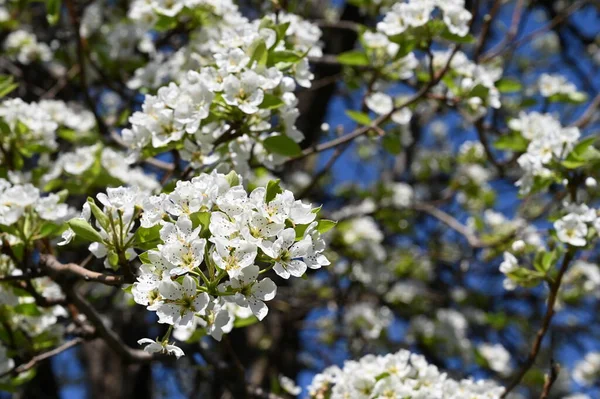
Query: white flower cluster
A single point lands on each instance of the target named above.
(509, 265)
(15, 305)
(36, 124)
(364, 235)
(572, 228)
(233, 30)
(28, 123)
(224, 104)
(16, 200)
(367, 320)
(473, 82)
(77, 162)
(587, 370)
(148, 12)
(548, 141)
(24, 47)
(448, 329)
(213, 241)
(399, 375)
(582, 278)
(71, 116)
(383, 104)
(497, 357)
(415, 13)
(550, 85)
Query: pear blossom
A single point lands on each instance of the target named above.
(181, 301)
(160, 347)
(571, 229)
(253, 293)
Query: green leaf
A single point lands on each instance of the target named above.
(245, 322)
(581, 147)
(273, 188)
(466, 39)
(98, 214)
(53, 11)
(271, 101)
(47, 229)
(392, 144)
(84, 230)
(144, 257)
(4, 128)
(284, 56)
(258, 52)
(508, 85)
(6, 85)
(147, 237)
(282, 145)
(29, 309)
(325, 225)
(200, 219)
(300, 229)
(513, 141)
(359, 117)
(233, 179)
(281, 30)
(353, 58)
(582, 154)
(572, 98)
(165, 23)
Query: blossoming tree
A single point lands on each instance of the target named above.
(372, 199)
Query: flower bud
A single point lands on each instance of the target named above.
(518, 246)
(590, 182)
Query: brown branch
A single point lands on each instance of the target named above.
(537, 342)
(550, 380)
(589, 113)
(381, 119)
(336, 155)
(346, 25)
(485, 29)
(75, 22)
(560, 18)
(54, 268)
(111, 338)
(451, 222)
(514, 27)
(481, 134)
(43, 356)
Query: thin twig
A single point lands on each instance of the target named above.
(451, 222)
(589, 113)
(381, 119)
(537, 342)
(43, 356)
(554, 22)
(550, 380)
(75, 22)
(485, 29)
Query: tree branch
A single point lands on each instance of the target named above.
(43, 356)
(111, 338)
(537, 342)
(54, 267)
(550, 380)
(381, 119)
